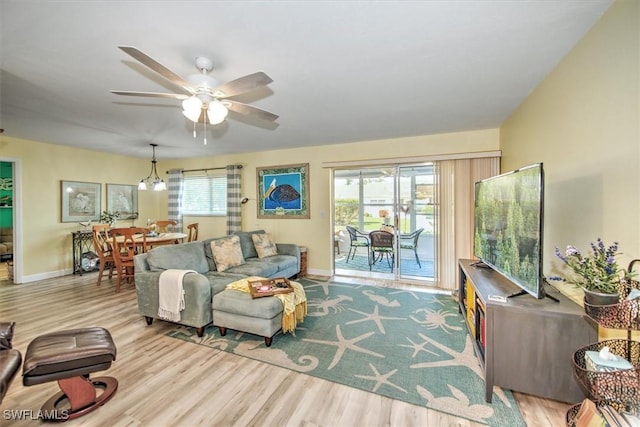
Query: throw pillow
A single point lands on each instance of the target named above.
(264, 244)
(227, 252)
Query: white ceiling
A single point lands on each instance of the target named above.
(343, 71)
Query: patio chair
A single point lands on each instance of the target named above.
(381, 246)
(410, 241)
(358, 240)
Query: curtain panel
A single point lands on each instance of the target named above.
(176, 185)
(456, 193)
(234, 189)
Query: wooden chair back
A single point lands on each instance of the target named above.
(193, 232)
(125, 244)
(102, 246)
(165, 226)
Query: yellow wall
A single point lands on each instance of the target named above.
(583, 123)
(47, 242)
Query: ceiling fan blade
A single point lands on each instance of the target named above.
(242, 85)
(158, 68)
(250, 110)
(150, 94)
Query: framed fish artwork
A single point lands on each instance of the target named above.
(283, 191)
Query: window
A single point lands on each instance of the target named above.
(205, 195)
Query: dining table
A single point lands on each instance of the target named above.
(158, 239)
(164, 238)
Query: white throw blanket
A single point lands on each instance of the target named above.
(171, 294)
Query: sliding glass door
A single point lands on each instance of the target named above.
(397, 199)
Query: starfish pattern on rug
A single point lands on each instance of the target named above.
(373, 317)
(380, 379)
(344, 344)
(418, 347)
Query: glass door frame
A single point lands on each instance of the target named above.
(369, 207)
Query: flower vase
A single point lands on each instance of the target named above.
(599, 298)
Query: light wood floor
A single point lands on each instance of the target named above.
(169, 382)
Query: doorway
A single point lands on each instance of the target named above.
(398, 199)
(7, 204)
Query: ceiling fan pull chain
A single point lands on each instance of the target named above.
(205, 131)
(194, 130)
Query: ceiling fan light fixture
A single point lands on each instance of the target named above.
(152, 180)
(192, 108)
(216, 112)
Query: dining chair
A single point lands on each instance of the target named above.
(410, 241)
(381, 246)
(358, 240)
(165, 226)
(125, 244)
(193, 232)
(103, 248)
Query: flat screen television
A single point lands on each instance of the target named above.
(508, 226)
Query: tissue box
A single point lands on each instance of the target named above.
(594, 362)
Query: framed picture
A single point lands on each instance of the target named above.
(123, 199)
(283, 191)
(80, 201)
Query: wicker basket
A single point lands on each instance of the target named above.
(621, 386)
(625, 315)
(572, 412)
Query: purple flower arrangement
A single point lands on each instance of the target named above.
(596, 271)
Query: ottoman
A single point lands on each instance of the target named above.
(238, 311)
(69, 357)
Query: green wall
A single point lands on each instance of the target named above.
(6, 194)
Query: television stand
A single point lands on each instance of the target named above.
(523, 344)
(479, 264)
(523, 292)
(517, 294)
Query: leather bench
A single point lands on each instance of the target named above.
(69, 357)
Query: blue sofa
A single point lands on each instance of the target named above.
(199, 288)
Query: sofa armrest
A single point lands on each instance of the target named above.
(140, 263)
(6, 335)
(197, 297)
(288, 249)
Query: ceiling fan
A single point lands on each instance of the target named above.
(203, 97)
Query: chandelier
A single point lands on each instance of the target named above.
(153, 180)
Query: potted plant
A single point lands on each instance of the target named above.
(109, 217)
(597, 272)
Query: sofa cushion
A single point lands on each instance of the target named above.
(209, 255)
(255, 267)
(246, 242)
(219, 281)
(227, 252)
(265, 246)
(282, 261)
(186, 256)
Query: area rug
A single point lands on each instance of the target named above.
(406, 345)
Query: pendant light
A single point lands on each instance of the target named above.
(153, 180)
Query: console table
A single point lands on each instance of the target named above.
(81, 242)
(523, 344)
